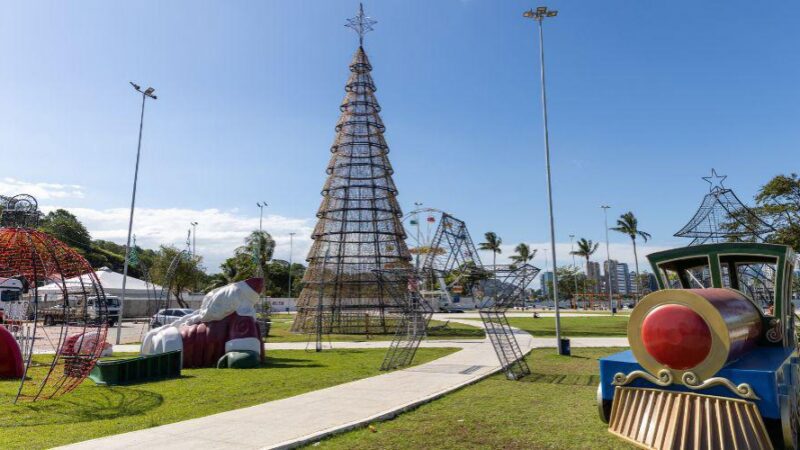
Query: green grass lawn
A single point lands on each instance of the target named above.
(573, 326)
(93, 411)
(554, 408)
(281, 323)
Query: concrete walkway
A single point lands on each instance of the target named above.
(311, 416)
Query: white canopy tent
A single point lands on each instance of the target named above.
(112, 285)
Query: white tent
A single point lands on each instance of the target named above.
(111, 282)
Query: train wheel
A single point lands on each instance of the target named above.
(603, 406)
(790, 411)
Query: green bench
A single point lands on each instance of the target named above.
(137, 370)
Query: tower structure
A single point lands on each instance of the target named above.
(359, 229)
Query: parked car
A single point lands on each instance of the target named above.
(168, 315)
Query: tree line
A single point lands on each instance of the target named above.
(253, 258)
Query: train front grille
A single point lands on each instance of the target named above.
(657, 419)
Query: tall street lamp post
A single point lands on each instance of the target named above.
(291, 252)
(572, 252)
(539, 15)
(608, 263)
(261, 206)
(145, 94)
(194, 239)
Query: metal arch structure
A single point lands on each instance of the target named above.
(161, 299)
(721, 206)
(57, 356)
(452, 254)
(403, 285)
(359, 226)
(508, 290)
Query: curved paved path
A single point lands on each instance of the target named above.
(311, 416)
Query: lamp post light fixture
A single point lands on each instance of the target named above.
(291, 251)
(608, 263)
(147, 93)
(539, 15)
(261, 206)
(417, 206)
(572, 252)
(194, 239)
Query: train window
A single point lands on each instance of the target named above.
(699, 277)
(671, 279)
(757, 280)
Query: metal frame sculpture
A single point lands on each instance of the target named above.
(509, 284)
(162, 299)
(55, 358)
(720, 206)
(452, 253)
(708, 368)
(403, 285)
(359, 218)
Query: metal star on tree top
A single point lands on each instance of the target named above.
(715, 181)
(361, 24)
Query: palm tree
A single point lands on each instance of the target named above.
(524, 254)
(492, 244)
(629, 224)
(259, 245)
(586, 249)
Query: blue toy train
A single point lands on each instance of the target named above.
(713, 362)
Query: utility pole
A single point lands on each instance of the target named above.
(608, 263)
(194, 239)
(572, 252)
(539, 15)
(261, 206)
(145, 94)
(291, 251)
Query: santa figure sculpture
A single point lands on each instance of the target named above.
(222, 333)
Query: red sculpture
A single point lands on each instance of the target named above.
(11, 365)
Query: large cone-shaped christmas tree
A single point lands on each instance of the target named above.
(359, 228)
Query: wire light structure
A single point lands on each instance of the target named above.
(59, 336)
(359, 224)
(719, 209)
(722, 217)
(403, 286)
(452, 262)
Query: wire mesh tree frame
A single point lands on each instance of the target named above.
(359, 225)
(722, 217)
(58, 355)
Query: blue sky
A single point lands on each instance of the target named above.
(645, 98)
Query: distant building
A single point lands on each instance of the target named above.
(620, 277)
(546, 280)
(594, 275)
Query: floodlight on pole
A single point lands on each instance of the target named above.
(194, 239)
(539, 15)
(291, 252)
(261, 206)
(608, 262)
(572, 252)
(147, 93)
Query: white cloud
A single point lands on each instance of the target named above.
(41, 191)
(218, 232)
